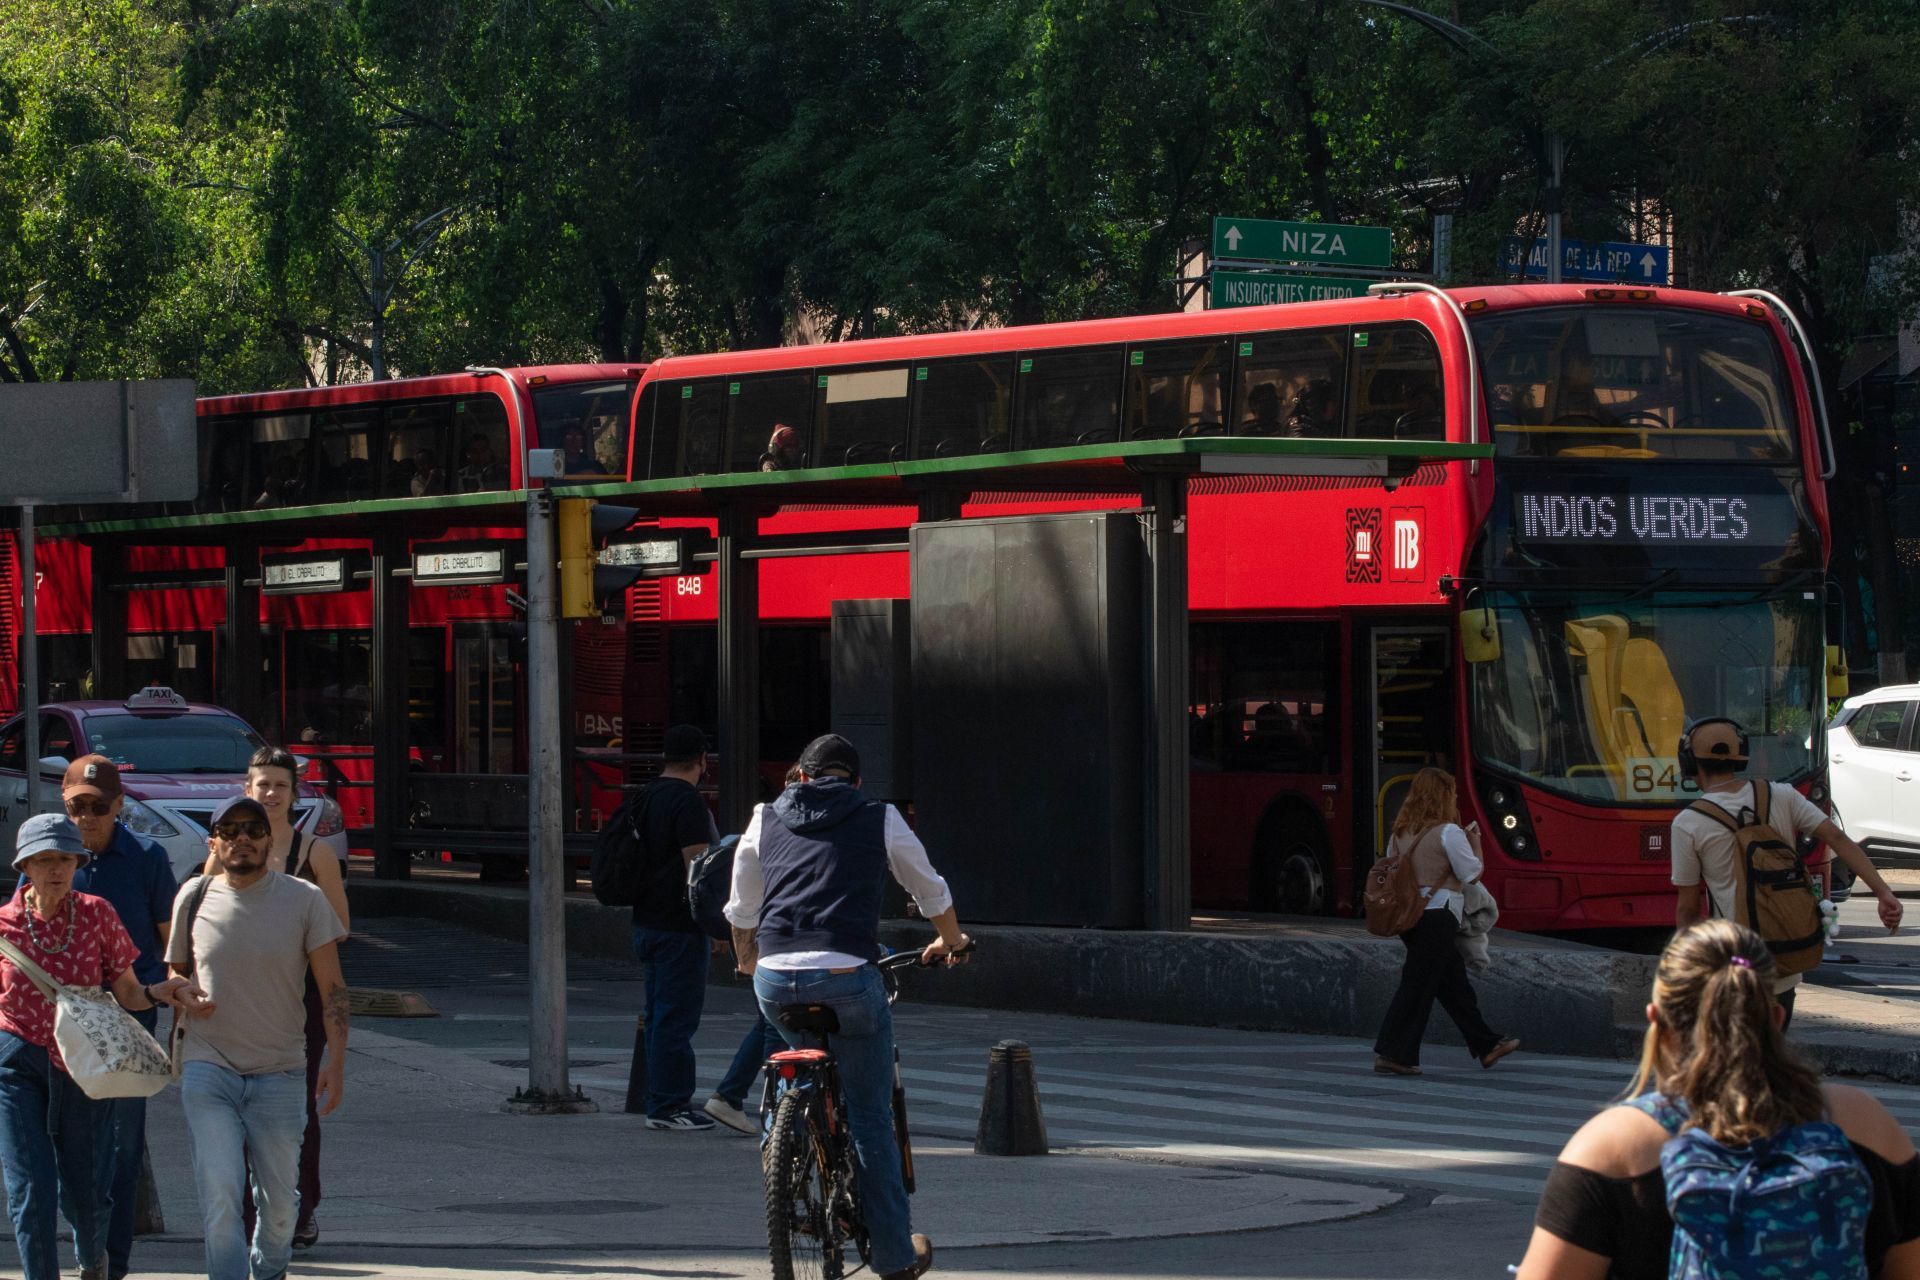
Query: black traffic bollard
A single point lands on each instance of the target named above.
(637, 1074)
(1010, 1119)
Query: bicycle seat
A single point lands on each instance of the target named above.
(817, 1019)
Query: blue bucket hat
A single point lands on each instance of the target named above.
(48, 833)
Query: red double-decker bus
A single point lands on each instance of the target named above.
(1647, 545)
(430, 442)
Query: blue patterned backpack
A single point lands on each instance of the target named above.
(1792, 1206)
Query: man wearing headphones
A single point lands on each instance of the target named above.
(1714, 751)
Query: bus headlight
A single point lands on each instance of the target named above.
(1512, 829)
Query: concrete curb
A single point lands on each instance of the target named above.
(1325, 978)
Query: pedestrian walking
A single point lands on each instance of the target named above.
(807, 882)
(1728, 1144)
(1445, 859)
(52, 1135)
(673, 828)
(273, 779)
(1707, 847)
(134, 876)
(249, 935)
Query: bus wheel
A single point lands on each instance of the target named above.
(1290, 876)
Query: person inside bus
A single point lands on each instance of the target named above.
(427, 476)
(1315, 411)
(784, 452)
(479, 470)
(579, 460)
(284, 486)
(1423, 418)
(1263, 412)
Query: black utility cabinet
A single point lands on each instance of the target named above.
(1028, 722)
(870, 660)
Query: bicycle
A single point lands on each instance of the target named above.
(813, 1207)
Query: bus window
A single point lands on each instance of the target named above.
(343, 440)
(767, 422)
(1175, 389)
(1396, 384)
(415, 456)
(282, 466)
(1291, 384)
(861, 416)
(1069, 397)
(962, 407)
(652, 450)
(697, 411)
(223, 466)
(480, 432)
(588, 423)
(1263, 696)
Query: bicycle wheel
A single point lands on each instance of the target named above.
(802, 1236)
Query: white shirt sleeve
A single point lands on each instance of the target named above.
(1466, 864)
(749, 886)
(907, 858)
(1686, 857)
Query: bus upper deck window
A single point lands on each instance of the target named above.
(767, 422)
(1175, 389)
(282, 465)
(479, 433)
(1291, 384)
(861, 416)
(1069, 397)
(962, 407)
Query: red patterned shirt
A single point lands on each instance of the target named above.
(99, 952)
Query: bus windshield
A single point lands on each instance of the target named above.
(587, 421)
(1590, 692)
(1634, 382)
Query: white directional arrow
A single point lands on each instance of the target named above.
(1233, 239)
(1646, 265)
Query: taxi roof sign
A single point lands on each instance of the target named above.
(156, 697)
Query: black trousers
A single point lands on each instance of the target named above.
(1433, 969)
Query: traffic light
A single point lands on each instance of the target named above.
(589, 576)
(578, 548)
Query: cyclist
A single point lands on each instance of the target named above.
(805, 911)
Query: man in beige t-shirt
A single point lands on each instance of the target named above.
(247, 935)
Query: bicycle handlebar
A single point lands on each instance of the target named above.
(911, 959)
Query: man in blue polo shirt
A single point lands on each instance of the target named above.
(132, 873)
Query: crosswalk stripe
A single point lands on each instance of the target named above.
(1388, 1093)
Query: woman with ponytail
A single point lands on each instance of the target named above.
(1717, 1079)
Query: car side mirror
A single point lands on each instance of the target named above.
(1837, 680)
(55, 765)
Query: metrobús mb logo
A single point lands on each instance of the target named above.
(1363, 544)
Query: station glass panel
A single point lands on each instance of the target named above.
(1069, 397)
(1176, 389)
(962, 407)
(1291, 384)
(767, 422)
(861, 416)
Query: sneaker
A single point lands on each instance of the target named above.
(684, 1118)
(729, 1115)
(922, 1260)
(307, 1234)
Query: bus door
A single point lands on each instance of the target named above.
(1411, 717)
(488, 703)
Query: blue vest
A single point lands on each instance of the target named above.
(823, 857)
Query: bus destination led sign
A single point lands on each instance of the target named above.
(1633, 518)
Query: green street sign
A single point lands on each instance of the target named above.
(1330, 244)
(1260, 289)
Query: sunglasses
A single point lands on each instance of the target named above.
(252, 828)
(85, 807)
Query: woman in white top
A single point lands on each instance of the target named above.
(1445, 858)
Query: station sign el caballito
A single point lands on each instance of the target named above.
(1260, 289)
(1327, 244)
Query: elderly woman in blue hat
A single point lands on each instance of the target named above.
(49, 1130)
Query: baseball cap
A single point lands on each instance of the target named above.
(1717, 740)
(245, 806)
(827, 753)
(48, 833)
(683, 744)
(92, 776)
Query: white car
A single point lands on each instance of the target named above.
(1873, 751)
(178, 760)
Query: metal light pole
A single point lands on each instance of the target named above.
(29, 658)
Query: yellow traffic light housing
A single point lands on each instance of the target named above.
(577, 555)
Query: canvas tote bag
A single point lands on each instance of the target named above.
(108, 1054)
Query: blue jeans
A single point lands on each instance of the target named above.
(676, 994)
(863, 1049)
(749, 1060)
(50, 1137)
(229, 1118)
(125, 1134)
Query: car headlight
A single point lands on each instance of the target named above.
(330, 821)
(143, 821)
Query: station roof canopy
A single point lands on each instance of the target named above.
(1097, 468)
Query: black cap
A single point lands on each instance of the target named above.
(827, 753)
(683, 744)
(247, 806)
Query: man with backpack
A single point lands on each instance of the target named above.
(1742, 840)
(669, 827)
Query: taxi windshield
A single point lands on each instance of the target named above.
(173, 744)
(1590, 692)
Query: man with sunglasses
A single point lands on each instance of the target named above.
(133, 875)
(247, 937)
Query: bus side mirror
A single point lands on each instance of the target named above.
(1479, 636)
(1837, 680)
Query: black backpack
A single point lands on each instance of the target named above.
(709, 885)
(618, 879)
